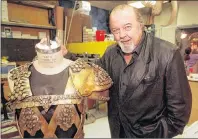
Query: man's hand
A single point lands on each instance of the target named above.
(102, 96)
(64, 50)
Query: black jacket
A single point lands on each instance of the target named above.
(157, 100)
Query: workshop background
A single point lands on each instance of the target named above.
(82, 27)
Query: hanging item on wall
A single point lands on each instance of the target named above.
(156, 9)
(83, 7)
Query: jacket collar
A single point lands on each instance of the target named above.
(146, 52)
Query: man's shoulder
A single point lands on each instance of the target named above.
(111, 48)
(111, 51)
(164, 45)
(164, 49)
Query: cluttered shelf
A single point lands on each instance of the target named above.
(27, 25)
(39, 4)
(90, 47)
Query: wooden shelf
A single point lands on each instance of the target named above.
(37, 3)
(187, 26)
(20, 38)
(27, 25)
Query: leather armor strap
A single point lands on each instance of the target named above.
(48, 129)
(35, 101)
(44, 124)
(98, 96)
(52, 125)
(80, 133)
(18, 128)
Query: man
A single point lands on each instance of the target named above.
(150, 96)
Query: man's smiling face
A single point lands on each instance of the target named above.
(125, 28)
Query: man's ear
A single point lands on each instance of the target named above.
(142, 26)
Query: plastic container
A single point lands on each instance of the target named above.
(100, 35)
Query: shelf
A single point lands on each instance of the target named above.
(187, 26)
(20, 38)
(27, 25)
(37, 3)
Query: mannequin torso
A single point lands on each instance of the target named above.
(48, 94)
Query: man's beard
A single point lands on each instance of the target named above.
(126, 48)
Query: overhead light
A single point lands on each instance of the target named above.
(139, 4)
(152, 2)
(183, 35)
(165, 1)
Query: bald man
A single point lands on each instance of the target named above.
(150, 97)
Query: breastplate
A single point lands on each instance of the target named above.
(62, 115)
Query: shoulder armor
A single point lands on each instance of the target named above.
(88, 77)
(18, 79)
(21, 71)
(78, 65)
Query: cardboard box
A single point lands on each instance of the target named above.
(16, 34)
(68, 12)
(25, 36)
(42, 35)
(76, 30)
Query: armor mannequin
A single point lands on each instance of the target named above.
(49, 93)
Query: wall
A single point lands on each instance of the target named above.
(100, 18)
(67, 3)
(187, 13)
(186, 16)
(166, 33)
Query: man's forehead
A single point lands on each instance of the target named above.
(122, 17)
(125, 9)
(120, 13)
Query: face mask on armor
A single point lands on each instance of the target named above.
(49, 93)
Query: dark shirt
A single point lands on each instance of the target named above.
(124, 69)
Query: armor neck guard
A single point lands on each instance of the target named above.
(48, 51)
(50, 68)
(53, 60)
(49, 54)
(46, 46)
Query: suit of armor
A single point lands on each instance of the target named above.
(56, 115)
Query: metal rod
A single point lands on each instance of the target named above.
(70, 22)
(65, 32)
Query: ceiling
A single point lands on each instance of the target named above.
(108, 5)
